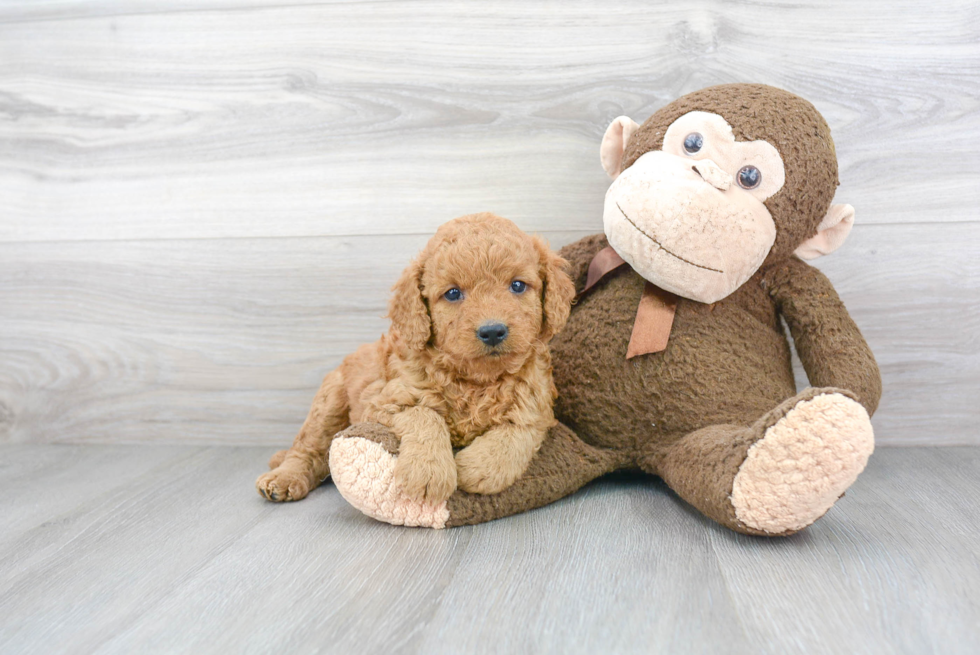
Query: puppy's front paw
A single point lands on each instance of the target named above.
(282, 484)
(426, 476)
(483, 472)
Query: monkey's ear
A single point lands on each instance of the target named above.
(557, 290)
(614, 144)
(407, 311)
(831, 232)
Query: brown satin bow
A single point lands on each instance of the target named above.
(655, 314)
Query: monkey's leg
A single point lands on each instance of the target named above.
(299, 470)
(362, 460)
(778, 475)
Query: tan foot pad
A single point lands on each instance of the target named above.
(803, 464)
(363, 471)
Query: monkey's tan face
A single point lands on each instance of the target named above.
(690, 218)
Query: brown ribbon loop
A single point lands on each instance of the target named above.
(655, 314)
(605, 261)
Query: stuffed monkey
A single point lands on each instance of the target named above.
(675, 360)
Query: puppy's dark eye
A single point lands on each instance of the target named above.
(453, 295)
(693, 143)
(749, 177)
(517, 286)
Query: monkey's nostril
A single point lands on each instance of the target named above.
(491, 333)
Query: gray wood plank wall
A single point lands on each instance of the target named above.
(203, 203)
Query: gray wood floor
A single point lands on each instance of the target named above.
(122, 549)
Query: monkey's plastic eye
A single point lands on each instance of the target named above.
(518, 287)
(749, 177)
(453, 295)
(693, 143)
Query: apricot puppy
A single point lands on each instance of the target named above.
(465, 365)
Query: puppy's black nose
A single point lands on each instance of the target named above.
(492, 333)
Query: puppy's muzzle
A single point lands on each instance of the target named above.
(491, 333)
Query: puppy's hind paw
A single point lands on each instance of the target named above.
(363, 469)
(281, 485)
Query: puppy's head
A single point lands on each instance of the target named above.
(482, 292)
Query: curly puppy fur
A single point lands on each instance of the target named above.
(434, 382)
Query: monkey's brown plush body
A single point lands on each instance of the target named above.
(716, 412)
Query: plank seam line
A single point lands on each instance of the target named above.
(597, 230)
(177, 12)
(728, 587)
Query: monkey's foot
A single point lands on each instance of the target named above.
(362, 465)
(803, 464)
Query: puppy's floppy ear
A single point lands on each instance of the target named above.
(557, 292)
(407, 310)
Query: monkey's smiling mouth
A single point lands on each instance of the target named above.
(660, 245)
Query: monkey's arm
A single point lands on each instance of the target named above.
(829, 343)
(579, 256)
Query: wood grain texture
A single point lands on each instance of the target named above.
(52, 481)
(207, 341)
(247, 119)
(185, 557)
(561, 590)
(916, 510)
(226, 341)
(203, 203)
